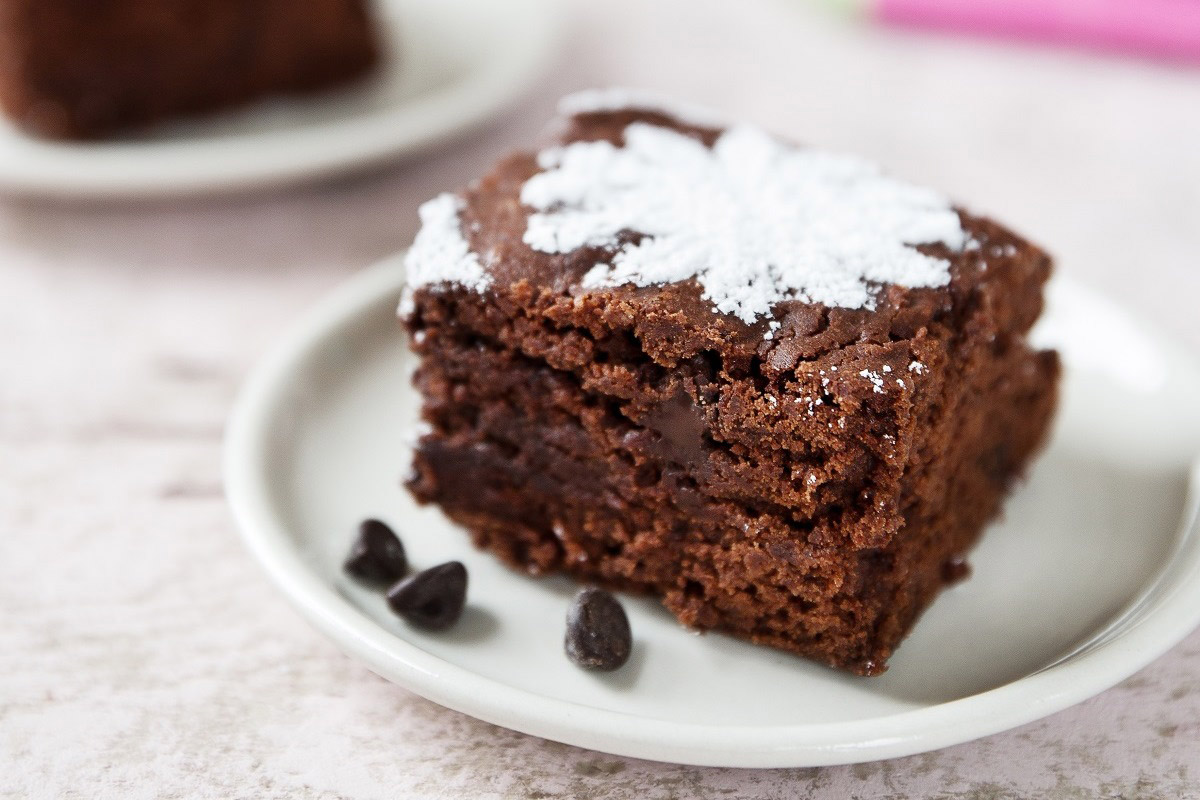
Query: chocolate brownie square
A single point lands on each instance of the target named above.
(771, 385)
(81, 69)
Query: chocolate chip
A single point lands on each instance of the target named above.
(432, 599)
(598, 635)
(377, 554)
(955, 569)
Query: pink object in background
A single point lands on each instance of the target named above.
(1160, 28)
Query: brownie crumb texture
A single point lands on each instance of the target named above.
(773, 386)
(87, 69)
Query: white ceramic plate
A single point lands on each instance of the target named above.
(1094, 571)
(449, 64)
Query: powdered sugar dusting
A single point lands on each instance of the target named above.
(754, 221)
(591, 101)
(440, 253)
(875, 379)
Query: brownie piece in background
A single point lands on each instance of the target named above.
(81, 69)
(770, 385)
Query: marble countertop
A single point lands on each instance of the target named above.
(144, 655)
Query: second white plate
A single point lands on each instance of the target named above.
(1094, 571)
(448, 65)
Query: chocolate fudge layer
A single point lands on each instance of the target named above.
(772, 386)
(82, 69)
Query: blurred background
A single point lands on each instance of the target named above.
(140, 647)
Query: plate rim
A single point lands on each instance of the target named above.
(1167, 610)
(154, 170)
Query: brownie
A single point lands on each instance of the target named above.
(82, 69)
(772, 386)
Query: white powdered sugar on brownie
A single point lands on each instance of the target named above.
(440, 254)
(752, 220)
(594, 101)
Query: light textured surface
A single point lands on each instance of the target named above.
(142, 653)
(753, 220)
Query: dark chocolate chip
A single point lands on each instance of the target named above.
(681, 428)
(377, 554)
(598, 635)
(955, 569)
(432, 599)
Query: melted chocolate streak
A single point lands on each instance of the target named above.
(678, 432)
